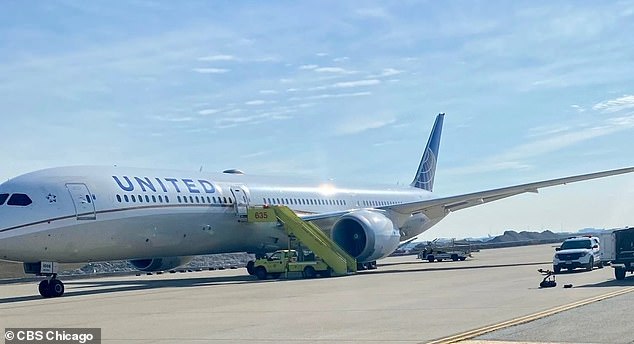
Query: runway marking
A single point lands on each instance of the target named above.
(505, 342)
(527, 318)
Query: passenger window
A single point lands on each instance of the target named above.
(191, 199)
(147, 198)
(184, 199)
(118, 198)
(140, 199)
(19, 200)
(161, 199)
(153, 199)
(167, 199)
(125, 197)
(133, 198)
(88, 198)
(208, 200)
(3, 198)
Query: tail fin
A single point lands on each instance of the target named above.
(424, 178)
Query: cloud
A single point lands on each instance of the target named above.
(390, 72)
(164, 118)
(347, 84)
(358, 124)
(229, 122)
(256, 154)
(211, 70)
(614, 105)
(338, 70)
(340, 59)
(555, 139)
(308, 67)
(217, 58)
(548, 130)
(332, 95)
(578, 108)
(385, 143)
(208, 111)
(259, 102)
(268, 92)
(358, 83)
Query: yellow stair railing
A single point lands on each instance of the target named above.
(317, 241)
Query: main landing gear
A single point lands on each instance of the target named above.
(51, 287)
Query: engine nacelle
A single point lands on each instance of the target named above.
(160, 263)
(366, 235)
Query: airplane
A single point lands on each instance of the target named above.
(160, 219)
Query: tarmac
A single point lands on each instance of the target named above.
(492, 298)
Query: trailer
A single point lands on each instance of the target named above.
(607, 247)
(436, 251)
(624, 252)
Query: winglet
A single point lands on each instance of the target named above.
(424, 178)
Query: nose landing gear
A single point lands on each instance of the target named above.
(51, 287)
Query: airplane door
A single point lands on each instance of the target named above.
(241, 196)
(82, 200)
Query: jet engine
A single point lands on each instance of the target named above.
(366, 235)
(160, 263)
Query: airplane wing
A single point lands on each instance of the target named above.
(444, 205)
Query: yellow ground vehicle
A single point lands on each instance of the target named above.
(288, 261)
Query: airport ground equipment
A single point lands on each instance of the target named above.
(289, 261)
(607, 247)
(549, 279)
(624, 252)
(337, 260)
(436, 251)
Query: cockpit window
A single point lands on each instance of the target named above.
(3, 197)
(19, 200)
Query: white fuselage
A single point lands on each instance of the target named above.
(81, 214)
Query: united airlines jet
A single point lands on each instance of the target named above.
(159, 219)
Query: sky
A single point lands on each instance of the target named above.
(341, 90)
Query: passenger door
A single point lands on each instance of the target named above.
(241, 197)
(82, 200)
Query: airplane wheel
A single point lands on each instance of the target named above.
(56, 288)
(43, 289)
